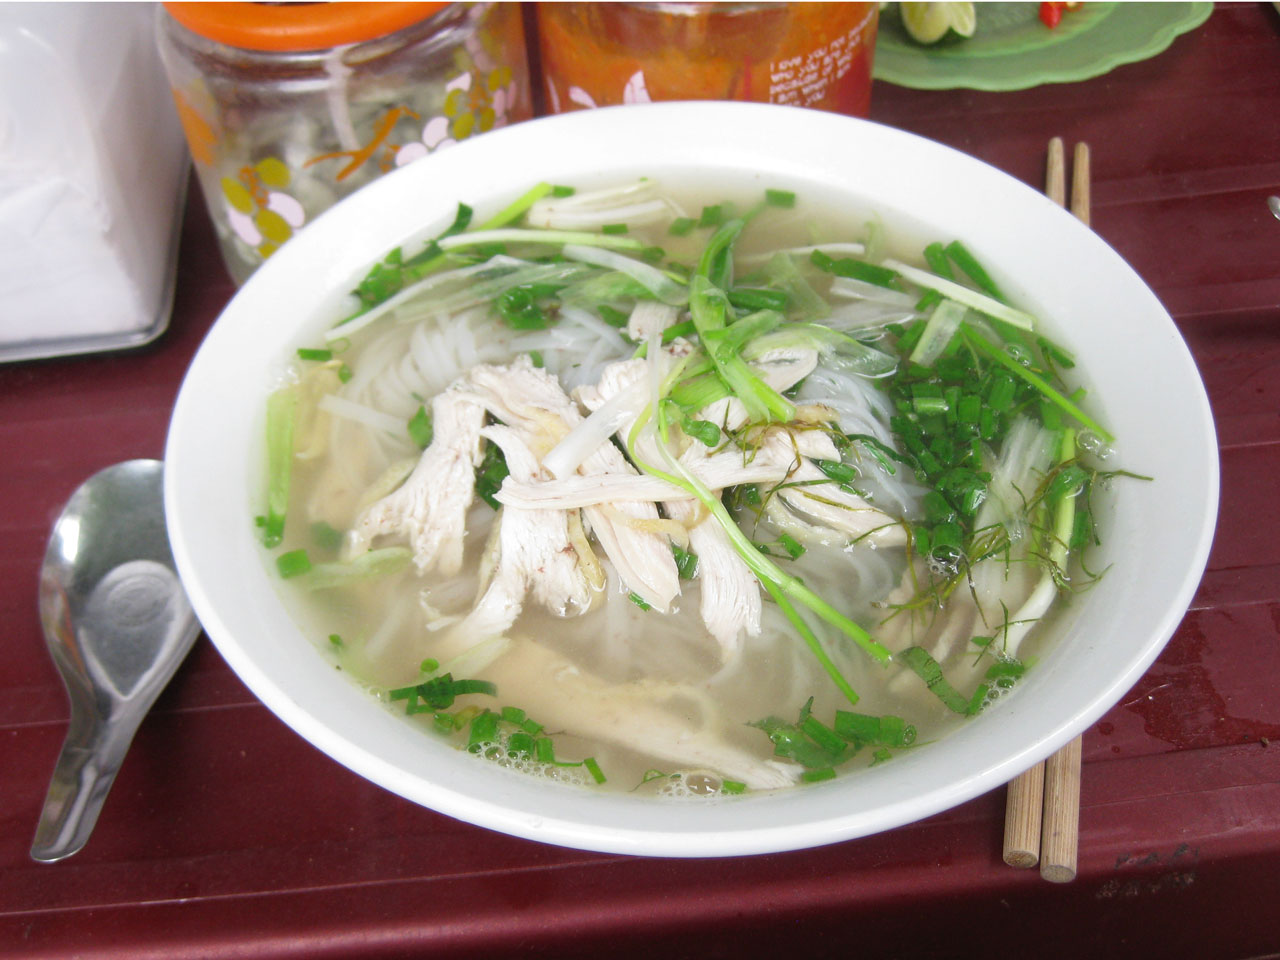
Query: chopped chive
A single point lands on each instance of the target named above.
(429, 665)
(686, 562)
(515, 210)
(854, 269)
(560, 191)
(966, 261)
(928, 670)
(513, 715)
(544, 751)
(682, 226)
(335, 639)
(281, 419)
(520, 744)
(535, 357)
(712, 216)
(484, 729)
(531, 726)
(293, 564)
(702, 430)
(732, 786)
(490, 475)
(817, 776)
(593, 768)
(315, 353)
(780, 198)
(614, 228)
(639, 601)
(935, 255)
(612, 315)
(419, 427)
(345, 373)
(685, 329)
(759, 298)
(325, 537)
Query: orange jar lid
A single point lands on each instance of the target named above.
(293, 27)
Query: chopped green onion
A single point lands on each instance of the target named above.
(325, 537)
(686, 562)
(854, 269)
(593, 768)
(281, 417)
(702, 430)
(732, 786)
(490, 475)
(935, 255)
(966, 261)
(639, 601)
(614, 228)
(611, 315)
(713, 216)
(780, 198)
(928, 670)
(682, 226)
(367, 566)
(513, 715)
(314, 353)
(420, 429)
(293, 564)
(484, 729)
(758, 298)
(517, 209)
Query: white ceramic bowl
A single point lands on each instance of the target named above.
(1142, 373)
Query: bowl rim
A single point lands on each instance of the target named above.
(205, 436)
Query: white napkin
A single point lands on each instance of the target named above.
(92, 165)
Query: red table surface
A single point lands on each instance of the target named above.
(227, 835)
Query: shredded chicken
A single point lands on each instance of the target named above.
(531, 401)
(430, 507)
(534, 554)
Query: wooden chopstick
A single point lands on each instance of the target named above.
(1042, 808)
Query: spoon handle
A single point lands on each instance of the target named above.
(91, 756)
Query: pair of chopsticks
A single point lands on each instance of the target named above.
(1042, 809)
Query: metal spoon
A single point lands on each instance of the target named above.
(1274, 204)
(117, 624)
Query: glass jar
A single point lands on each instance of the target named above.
(807, 54)
(287, 108)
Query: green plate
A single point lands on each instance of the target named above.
(1012, 50)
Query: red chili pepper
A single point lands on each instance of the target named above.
(1051, 14)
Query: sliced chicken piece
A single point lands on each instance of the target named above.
(532, 401)
(533, 555)
(730, 603)
(627, 714)
(430, 507)
(772, 462)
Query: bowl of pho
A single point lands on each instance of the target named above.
(692, 479)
